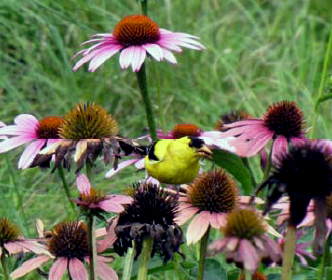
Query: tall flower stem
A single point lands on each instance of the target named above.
(93, 247)
(4, 264)
(326, 259)
(89, 170)
(202, 252)
(322, 82)
(269, 163)
(144, 259)
(144, 4)
(65, 186)
(128, 265)
(289, 250)
(142, 83)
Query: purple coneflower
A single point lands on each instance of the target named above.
(135, 37)
(68, 244)
(93, 200)
(26, 129)
(245, 241)
(283, 122)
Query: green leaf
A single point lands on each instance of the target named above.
(212, 270)
(235, 166)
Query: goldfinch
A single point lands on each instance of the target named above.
(175, 161)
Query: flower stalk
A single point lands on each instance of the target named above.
(326, 259)
(128, 265)
(144, 4)
(142, 83)
(269, 163)
(144, 259)
(93, 247)
(202, 252)
(4, 264)
(66, 186)
(288, 255)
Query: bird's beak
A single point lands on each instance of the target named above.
(204, 151)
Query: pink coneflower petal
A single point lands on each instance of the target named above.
(18, 130)
(154, 50)
(28, 266)
(58, 269)
(249, 255)
(27, 120)
(13, 247)
(83, 184)
(101, 58)
(198, 227)
(29, 153)
(109, 206)
(139, 55)
(280, 146)
(77, 270)
(105, 272)
(33, 246)
(185, 215)
(217, 245)
(273, 248)
(125, 57)
(169, 56)
(13, 143)
(232, 243)
(121, 166)
(302, 259)
(121, 199)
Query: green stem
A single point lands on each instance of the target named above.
(289, 250)
(202, 252)
(326, 259)
(88, 166)
(248, 191)
(145, 7)
(142, 83)
(128, 265)
(66, 186)
(93, 247)
(4, 264)
(247, 275)
(322, 82)
(144, 259)
(269, 163)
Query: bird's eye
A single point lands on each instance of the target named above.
(196, 142)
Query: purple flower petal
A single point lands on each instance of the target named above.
(29, 153)
(28, 266)
(109, 206)
(77, 270)
(27, 120)
(58, 269)
(13, 143)
(126, 57)
(198, 227)
(105, 272)
(121, 166)
(83, 184)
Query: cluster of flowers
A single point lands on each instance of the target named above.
(302, 169)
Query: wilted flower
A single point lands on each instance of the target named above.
(151, 215)
(283, 122)
(26, 129)
(304, 173)
(135, 37)
(69, 246)
(245, 241)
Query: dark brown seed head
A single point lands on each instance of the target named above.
(49, 127)
(185, 129)
(8, 231)
(230, 118)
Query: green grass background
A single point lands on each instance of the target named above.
(257, 52)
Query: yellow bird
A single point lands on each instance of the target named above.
(175, 161)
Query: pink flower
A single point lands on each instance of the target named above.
(96, 201)
(135, 37)
(283, 122)
(69, 247)
(28, 129)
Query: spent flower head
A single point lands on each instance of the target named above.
(135, 37)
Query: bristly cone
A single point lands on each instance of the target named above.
(151, 215)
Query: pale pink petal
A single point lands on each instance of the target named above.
(77, 270)
(280, 146)
(169, 56)
(302, 259)
(27, 120)
(185, 215)
(29, 153)
(18, 130)
(140, 164)
(217, 246)
(100, 232)
(245, 122)
(121, 199)
(58, 269)
(33, 246)
(198, 227)
(121, 166)
(13, 143)
(40, 228)
(165, 44)
(126, 57)
(28, 266)
(232, 243)
(13, 247)
(83, 184)
(154, 50)
(248, 255)
(214, 220)
(136, 50)
(245, 200)
(81, 147)
(105, 272)
(101, 58)
(107, 242)
(141, 59)
(272, 248)
(110, 206)
(259, 142)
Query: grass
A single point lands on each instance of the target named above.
(258, 52)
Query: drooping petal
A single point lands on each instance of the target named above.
(122, 165)
(198, 227)
(83, 184)
(248, 255)
(33, 246)
(13, 247)
(77, 270)
(100, 58)
(169, 56)
(126, 57)
(58, 269)
(15, 130)
(109, 206)
(28, 266)
(154, 50)
(81, 148)
(27, 120)
(185, 214)
(13, 143)
(105, 272)
(29, 153)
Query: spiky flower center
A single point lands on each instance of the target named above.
(48, 127)
(148, 197)
(230, 118)
(136, 30)
(69, 240)
(257, 276)
(213, 191)
(285, 118)
(94, 197)
(88, 121)
(185, 129)
(8, 231)
(244, 223)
